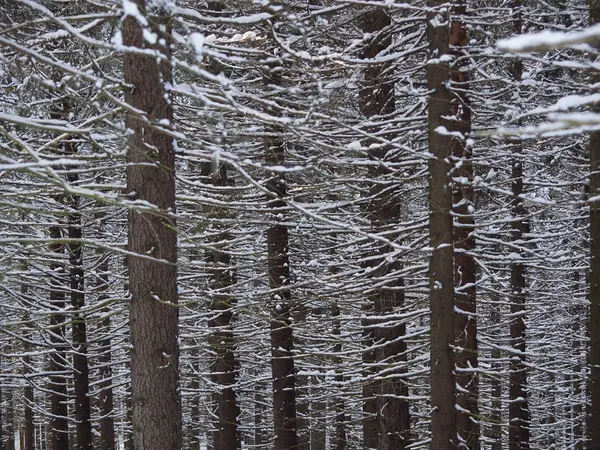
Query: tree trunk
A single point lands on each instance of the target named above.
(518, 409)
(441, 271)
(593, 382)
(386, 424)
(496, 388)
(81, 382)
(57, 386)
(152, 282)
(465, 267)
(282, 359)
(105, 397)
(339, 438)
(223, 344)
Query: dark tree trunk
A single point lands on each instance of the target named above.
(193, 429)
(386, 424)
(152, 282)
(28, 431)
(282, 340)
(465, 267)
(105, 397)
(518, 410)
(57, 386)
(339, 438)
(9, 420)
(441, 271)
(222, 340)
(80, 359)
(593, 383)
(496, 388)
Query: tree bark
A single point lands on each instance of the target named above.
(386, 424)
(465, 267)
(339, 438)
(152, 282)
(441, 270)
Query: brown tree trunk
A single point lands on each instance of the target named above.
(593, 382)
(465, 267)
(441, 270)
(57, 386)
(222, 340)
(386, 424)
(152, 282)
(9, 420)
(496, 388)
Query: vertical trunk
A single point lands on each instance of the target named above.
(128, 422)
(194, 421)
(152, 282)
(518, 410)
(223, 344)
(80, 360)
(593, 382)
(57, 386)
(441, 271)
(105, 397)
(339, 439)
(28, 431)
(9, 420)
(496, 388)
(386, 424)
(282, 359)
(317, 429)
(465, 268)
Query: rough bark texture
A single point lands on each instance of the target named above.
(441, 271)
(465, 268)
(152, 282)
(386, 422)
(222, 340)
(593, 387)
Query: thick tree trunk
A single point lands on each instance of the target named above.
(222, 340)
(386, 424)
(593, 383)
(152, 282)
(465, 267)
(9, 420)
(441, 270)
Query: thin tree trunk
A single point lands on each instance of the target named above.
(339, 439)
(465, 268)
(152, 283)
(441, 271)
(593, 382)
(282, 359)
(282, 335)
(223, 343)
(59, 426)
(496, 388)
(518, 410)
(9, 419)
(80, 359)
(106, 396)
